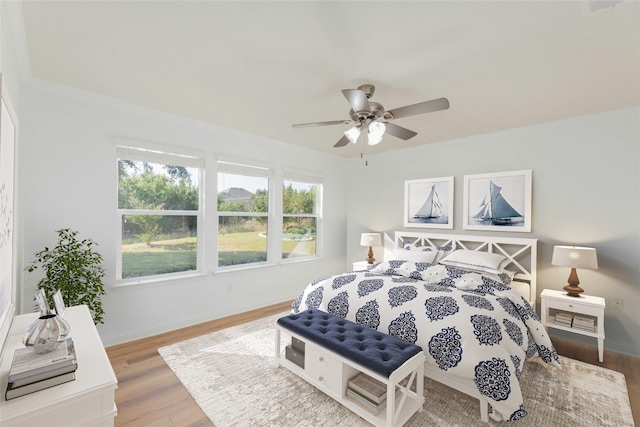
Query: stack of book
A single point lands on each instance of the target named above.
(584, 323)
(563, 319)
(368, 392)
(31, 372)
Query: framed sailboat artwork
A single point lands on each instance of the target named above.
(498, 201)
(428, 203)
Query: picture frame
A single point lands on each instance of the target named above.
(8, 263)
(428, 203)
(498, 201)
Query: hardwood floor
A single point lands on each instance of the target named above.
(149, 394)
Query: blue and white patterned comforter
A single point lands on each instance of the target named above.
(470, 325)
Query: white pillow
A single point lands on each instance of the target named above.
(390, 268)
(440, 251)
(483, 262)
(415, 256)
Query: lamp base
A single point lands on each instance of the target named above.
(573, 290)
(370, 259)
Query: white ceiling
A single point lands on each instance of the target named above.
(261, 66)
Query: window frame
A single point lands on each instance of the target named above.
(163, 155)
(248, 169)
(306, 178)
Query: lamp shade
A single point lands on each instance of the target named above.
(574, 257)
(353, 134)
(376, 132)
(370, 239)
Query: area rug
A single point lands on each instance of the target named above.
(233, 377)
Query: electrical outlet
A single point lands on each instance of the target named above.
(616, 303)
(229, 287)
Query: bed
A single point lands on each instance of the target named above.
(468, 301)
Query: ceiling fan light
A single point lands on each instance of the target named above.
(353, 134)
(376, 132)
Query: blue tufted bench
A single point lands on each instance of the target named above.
(372, 349)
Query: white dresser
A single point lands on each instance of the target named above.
(86, 401)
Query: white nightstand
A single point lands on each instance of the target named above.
(360, 265)
(584, 306)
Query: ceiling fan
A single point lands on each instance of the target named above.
(370, 119)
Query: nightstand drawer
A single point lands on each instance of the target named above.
(575, 307)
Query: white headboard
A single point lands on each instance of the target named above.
(521, 253)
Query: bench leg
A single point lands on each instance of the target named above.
(416, 377)
(277, 343)
(391, 404)
(420, 386)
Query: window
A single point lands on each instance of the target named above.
(264, 215)
(300, 218)
(243, 214)
(159, 207)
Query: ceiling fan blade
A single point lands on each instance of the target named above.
(399, 131)
(420, 108)
(357, 99)
(333, 122)
(342, 142)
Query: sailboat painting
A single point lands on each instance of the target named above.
(498, 201)
(429, 203)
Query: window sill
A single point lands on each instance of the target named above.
(152, 281)
(290, 261)
(244, 267)
(249, 267)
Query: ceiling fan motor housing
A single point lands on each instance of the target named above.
(377, 111)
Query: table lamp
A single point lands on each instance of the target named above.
(370, 239)
(574, 257)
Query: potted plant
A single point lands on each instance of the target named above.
(74, 268)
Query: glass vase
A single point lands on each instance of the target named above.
(46, 333)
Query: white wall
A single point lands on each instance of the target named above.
(68, 178)
(586, 191)
(12, 50)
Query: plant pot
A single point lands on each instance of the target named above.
(46, 333)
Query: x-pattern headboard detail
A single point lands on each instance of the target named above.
(521, 253)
